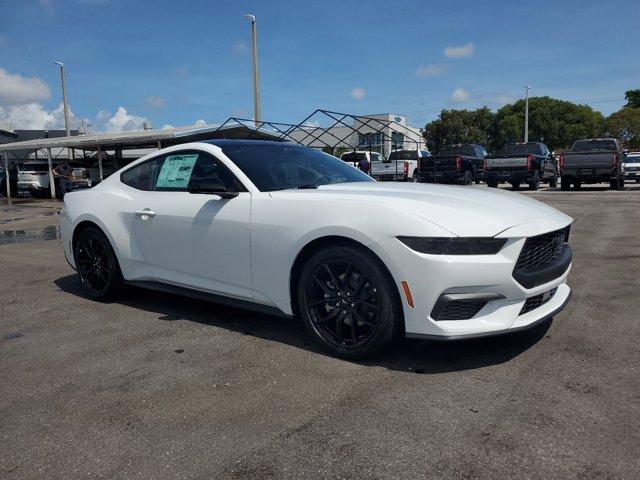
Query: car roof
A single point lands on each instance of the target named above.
(227, 142)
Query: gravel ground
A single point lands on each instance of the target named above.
(158, 386)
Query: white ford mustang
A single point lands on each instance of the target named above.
(287, 229)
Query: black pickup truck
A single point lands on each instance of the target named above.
(521, 162)
(593, 161)
(462, 163)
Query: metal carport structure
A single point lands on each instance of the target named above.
(322, 129)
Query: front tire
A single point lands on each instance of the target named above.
(468, 178)
(534, 184)
(97, 265)
(348, 302)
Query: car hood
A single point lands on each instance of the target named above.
(462, 210)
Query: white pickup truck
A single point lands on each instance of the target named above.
(402, 165)
(632, 166)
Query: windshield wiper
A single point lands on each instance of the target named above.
(308, 186)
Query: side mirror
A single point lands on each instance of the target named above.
(210, 187)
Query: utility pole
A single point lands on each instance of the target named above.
(526, 113)
(256, 80)
(65, 105)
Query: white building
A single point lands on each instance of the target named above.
(381, 132)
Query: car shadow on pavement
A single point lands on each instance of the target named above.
(410, 355)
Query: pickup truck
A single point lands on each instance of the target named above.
(520, 162)
(595, 160)
(632, 166)
(355, 157)
(402, 165)
(461, 163)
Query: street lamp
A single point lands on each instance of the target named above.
(64, 98)
(256, 81)
(526, 113)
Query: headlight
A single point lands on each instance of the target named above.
(454, 245)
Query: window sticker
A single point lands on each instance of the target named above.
(176, 171)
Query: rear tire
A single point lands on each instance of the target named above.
(467, 179)
(492, 183)
(97, 265)
(348, 302)
(577, 184)
(565, 183)
(534, 183)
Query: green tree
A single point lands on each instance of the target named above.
(459, 126)
(633, 98)
(557, 123)
(625, 125)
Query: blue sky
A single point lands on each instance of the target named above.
(178, 62)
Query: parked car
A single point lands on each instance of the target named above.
(460, 163)
(355, 157)
(402, 165)
(290, 230)
(520, 162)
(632, 166)
(33, 177)
(595, 160)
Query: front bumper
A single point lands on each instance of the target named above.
(431, 276)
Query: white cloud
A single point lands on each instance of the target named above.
(122, 121)
(167, 125)
(431, 70)
(33, 115)
(357, 93)
(464, 51)
(200, 122)
(240, 47)
(155, 102)
(459, 95)
(19, 89)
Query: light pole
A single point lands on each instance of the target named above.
(526, 113)
(65, 106)
(256, 80)
(64, 98)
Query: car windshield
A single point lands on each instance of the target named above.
(521, 149)
(594, 146)
(404, 155)
(34, 167)
(285, 166)
(458, 150)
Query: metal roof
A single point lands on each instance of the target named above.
(145, 139)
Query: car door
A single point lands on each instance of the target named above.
(196, 240)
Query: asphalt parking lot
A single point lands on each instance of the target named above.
(157, 386)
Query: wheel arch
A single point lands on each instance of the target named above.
(319, 243)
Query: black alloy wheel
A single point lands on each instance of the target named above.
(348, 303)
(97, 265)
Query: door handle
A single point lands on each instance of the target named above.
(144, 214)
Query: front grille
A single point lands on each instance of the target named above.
(532, 303)
(460, 309)
(542, 249)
